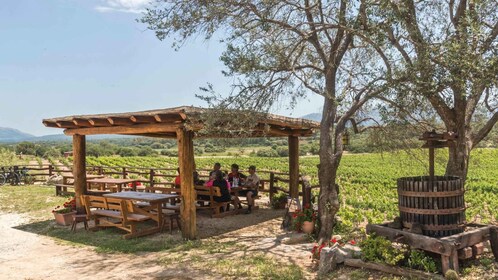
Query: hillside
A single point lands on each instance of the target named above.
(13, 135)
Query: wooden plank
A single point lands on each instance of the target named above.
(186, 162)
(99, 122)
(66, 124)
(411, 273)
(132, 129)
(79, 167)
(82, 122)
(143, 119)
(469, 238)
(120, 121)
(415, 240)
(293, 166)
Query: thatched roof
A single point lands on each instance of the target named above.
(165, 122)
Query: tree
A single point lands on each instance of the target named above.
(449, 51)
(284, 50)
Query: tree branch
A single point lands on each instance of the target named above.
(483, 132)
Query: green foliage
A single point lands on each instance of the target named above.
(379, 249)
(419, 260)
(267, 153)
(278, 199)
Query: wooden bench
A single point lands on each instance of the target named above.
(113, 212)
(211, 193)
(61, 189)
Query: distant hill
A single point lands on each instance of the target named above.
(13, 135)
(313, 117)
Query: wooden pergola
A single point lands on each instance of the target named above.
(184, 124)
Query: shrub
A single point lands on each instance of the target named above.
(379, 249)
(267, 153)
(419, 260)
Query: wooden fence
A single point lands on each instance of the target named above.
(271, 181)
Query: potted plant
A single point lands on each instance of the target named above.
(304, 220)
(64, 214)
(279, 200)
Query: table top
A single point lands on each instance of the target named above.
(111, 181)
(142, 196)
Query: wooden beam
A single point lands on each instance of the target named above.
(186, 162)
(143, 119)
(120, 121)
(50, 124)
(79, 167)
(130, 130)
(418, 241)
(99, 122)
(293, 166)
(168, 118)
(469, 238)
(66, 124)
(82, 122)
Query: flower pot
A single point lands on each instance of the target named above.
(308, 227)
(64, 219)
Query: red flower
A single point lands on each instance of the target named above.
(333, 240)
(352, 242)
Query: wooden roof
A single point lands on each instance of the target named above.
(165, 122)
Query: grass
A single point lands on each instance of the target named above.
(229, 260)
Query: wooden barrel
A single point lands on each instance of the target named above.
(437, 206)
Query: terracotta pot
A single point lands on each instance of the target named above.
(308, 227)
(64, 219)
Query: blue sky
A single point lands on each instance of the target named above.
(69, 57)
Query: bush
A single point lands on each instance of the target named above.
(267, 153)
(283, 151)
(127, 152)
(169, 153)
(146, 152)
(419, 260)
(379, 249)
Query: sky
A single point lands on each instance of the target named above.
(71, 57)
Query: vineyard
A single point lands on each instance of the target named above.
(367, 181)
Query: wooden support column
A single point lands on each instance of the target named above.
(186, 162)
(294, 166)
(79, 167)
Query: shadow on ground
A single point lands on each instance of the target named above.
(110, 240)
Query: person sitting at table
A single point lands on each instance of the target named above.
(195, 174)
(216, 167)
(236, 176)
(251, 182)
(211, 182)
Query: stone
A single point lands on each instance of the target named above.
(347, 251)
(327, 261)
(295, 239)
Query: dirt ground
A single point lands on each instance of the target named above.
(26, 255)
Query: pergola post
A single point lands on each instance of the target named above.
(79, 167)
(294, 166)
(186, 163)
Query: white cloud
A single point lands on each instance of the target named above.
(125, 6)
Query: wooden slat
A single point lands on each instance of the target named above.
(81, 122)
(143, 119)
(99, 122)
(66, 124)
(120, 121)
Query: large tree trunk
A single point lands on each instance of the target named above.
(459, 153)
(328, 202)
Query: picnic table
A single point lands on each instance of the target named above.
(154, 211)
(67, 177)
(104, 183)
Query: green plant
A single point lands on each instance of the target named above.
(278, 199)
(419, 260)
(378, 249)
(67, 207)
